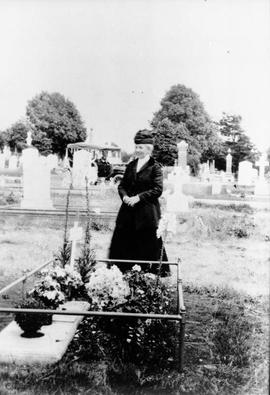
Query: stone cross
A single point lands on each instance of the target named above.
(75, 235)
(262, 163)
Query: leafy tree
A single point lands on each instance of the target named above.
(165, 148)
(2, 140)
(189, 122)
(56, 123)
(16, 135)
(235, 138)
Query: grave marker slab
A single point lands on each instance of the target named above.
(44, 350)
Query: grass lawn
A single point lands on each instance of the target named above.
(225, 266)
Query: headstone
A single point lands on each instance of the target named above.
(205, 173)
(7, 152)
(262, 187)
(229, 162)
(36, 180)
(175, 199)
(82, 169)
(245, 173)
(182, 155)
(2, 160)
(212, 167)
(13, 161)
(52, 159)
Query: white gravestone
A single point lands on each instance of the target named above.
(246, 174)
(262, 187)
(229, 162)
(204, 172)
(2, 160)
(52, 159)
(7, 152)
(212, 167)
(176, 201)
(182, 155)
(36, 180)
(81, 169)
(13, 161)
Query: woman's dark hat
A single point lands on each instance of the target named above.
(143, 137)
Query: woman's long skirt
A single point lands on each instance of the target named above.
(143, 245)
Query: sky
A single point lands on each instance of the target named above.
(116, 59)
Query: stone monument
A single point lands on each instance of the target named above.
(182, 156)
(2, 160)
(246, 173)
(262, 187)
(7, 152)
(36, 179)
(176, 201)
(82, 169)
(229, 162)
(212, 167)
(13, 162)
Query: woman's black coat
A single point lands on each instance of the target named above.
(148, 185)
(134, 237)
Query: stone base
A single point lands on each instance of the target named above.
(44, 350)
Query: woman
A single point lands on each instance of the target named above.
(137, 221)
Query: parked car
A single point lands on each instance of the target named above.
(117, 172)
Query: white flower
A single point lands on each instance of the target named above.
(136, 268)
(107, 285)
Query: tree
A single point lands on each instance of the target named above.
(189, 122)
(56, 122)
(235, 138)
(2, 140)
(16, 135)
(165, 148)
(268, 154)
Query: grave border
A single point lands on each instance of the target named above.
(179, 317)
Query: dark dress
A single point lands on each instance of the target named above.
(134, 236)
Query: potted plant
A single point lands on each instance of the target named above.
(30, 323)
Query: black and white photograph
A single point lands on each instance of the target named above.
(134, 197)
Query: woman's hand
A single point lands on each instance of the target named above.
(131, 201)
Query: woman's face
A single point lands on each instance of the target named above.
(141, 150)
